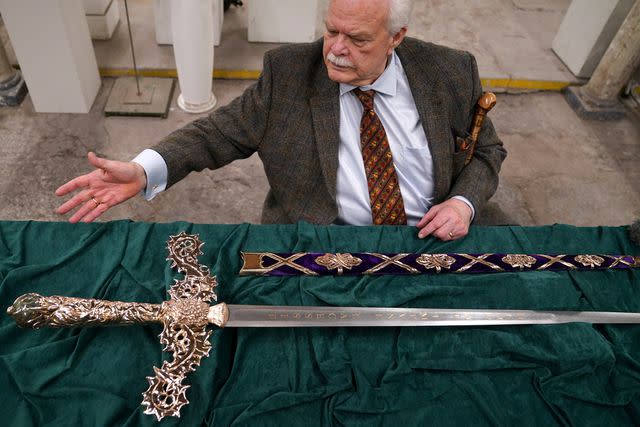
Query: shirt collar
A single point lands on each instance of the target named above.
(385, 84)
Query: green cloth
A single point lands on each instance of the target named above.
(573, 374)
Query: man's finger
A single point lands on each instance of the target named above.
(103, 164)
(83, 211)
(445, 233)
(435, 224)
(74, 184)
(95, 213)
(95, 160)
(83, 180)
(76, 200)
(102, 195)
(431, 213)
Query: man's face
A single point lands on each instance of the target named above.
(356, 40)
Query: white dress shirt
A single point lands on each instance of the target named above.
(393, 102)
(156, 170)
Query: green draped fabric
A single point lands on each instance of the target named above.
(572, 374)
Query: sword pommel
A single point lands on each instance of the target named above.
(26, 310)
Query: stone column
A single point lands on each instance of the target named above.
(587, 30)
(12, 87)
(598, 99)
(162, 15)
(192, 28)
(53, 47)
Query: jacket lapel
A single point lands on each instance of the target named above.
(427, 89)
(325, 111)
(427, 94)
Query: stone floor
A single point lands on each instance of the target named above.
(560, 168)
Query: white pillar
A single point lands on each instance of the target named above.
(53, 47)
(103, 17)
(192, 26)
(162, 15)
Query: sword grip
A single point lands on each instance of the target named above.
(37, 311)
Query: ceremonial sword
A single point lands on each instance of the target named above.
(187, 313)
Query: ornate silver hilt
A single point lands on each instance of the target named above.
(184, 318)
(37, 311)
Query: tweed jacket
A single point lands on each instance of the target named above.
(291, 118)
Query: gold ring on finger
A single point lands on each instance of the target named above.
(451, 234)
(97, 203)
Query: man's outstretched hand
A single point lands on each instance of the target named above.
(111, 183)
(447, 221)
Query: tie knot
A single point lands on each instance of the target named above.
(366, 98)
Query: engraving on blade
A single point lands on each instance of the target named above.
(305, 316)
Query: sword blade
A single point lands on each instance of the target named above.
(266, 316)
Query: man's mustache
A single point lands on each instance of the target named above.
(340, 61)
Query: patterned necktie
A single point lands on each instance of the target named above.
(387, 206)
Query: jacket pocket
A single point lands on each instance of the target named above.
(461, 139)
(461, 150)
(458, 162)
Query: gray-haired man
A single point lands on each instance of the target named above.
(359, 128)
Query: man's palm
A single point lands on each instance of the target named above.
(110, 184)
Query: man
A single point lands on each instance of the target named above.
(358, 128)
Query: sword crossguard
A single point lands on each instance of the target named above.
(185, 331)
(184, 317)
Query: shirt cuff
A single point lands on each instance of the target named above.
(156, 170)
(464, 199)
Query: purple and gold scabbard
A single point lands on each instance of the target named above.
(364, 263)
